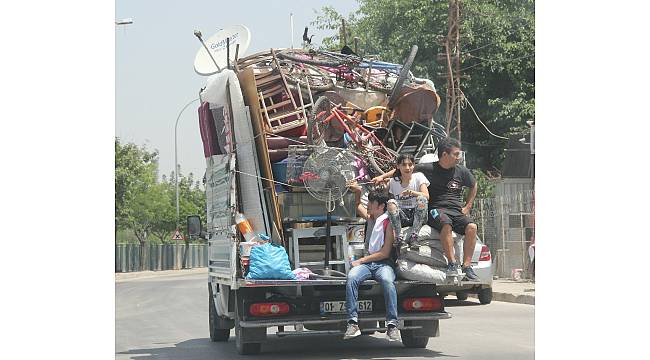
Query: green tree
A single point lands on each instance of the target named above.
(191, 202)
(191, 198)
(135, 172)
(485, 185)
(163, 213)
(497, 53)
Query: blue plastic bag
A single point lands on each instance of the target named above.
(269, 261)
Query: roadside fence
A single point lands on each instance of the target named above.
(506, 225)
(133, 257)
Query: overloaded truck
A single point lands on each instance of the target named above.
(283, 131)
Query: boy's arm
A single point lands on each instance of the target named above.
(357, 190)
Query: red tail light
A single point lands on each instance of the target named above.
(485, 254)
(422, 304)
(269, 309)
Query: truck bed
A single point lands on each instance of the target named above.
(256, 283)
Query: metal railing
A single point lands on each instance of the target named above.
(133, 257)
(506, 226)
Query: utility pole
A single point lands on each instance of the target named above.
(452, 57)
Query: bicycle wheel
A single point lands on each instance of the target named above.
(321, 133)
(381, 159)
(311, 57)
(295, 73)
(392, 99)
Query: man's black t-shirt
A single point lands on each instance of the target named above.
(446, 185)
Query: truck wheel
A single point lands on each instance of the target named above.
(485, 296)
(411, 341)
(461, 295)
(245, 348)
(216, 334)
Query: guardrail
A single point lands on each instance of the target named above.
(133, 257)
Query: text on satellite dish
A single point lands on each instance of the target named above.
(222, 44)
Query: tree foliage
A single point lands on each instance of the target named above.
(147, 206)
(497, 40)
(485, 185)
(135, 172)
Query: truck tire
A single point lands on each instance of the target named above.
(485, 296)
(411, 341)
(216, 334)
(461, 295)
(245, 348)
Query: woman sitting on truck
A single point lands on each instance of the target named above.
(411, 197)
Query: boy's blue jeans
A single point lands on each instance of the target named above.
(383, 274)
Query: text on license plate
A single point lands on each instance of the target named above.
(339, 306)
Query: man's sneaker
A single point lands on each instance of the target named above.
(470, 274)
(352, 331)
(452, 269)
(392, 334)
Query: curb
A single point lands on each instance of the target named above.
(511, 298)
(163, 273)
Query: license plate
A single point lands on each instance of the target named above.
(339, 306)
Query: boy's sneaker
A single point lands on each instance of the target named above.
(470, 274)
(352, 331)
(452, 269)
(392, 334)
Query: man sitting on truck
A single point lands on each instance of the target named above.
(377, 265)
(446, 181)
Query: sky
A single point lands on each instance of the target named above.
(154, 74)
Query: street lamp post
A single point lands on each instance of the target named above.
(176, 160)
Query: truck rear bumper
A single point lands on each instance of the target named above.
(300, 321)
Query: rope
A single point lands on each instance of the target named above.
(263, 178)
(285, 184)
(479, 119)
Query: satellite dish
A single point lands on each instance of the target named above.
(238, 34)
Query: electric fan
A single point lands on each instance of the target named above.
(325, 176)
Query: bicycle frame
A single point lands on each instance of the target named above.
(343, 119)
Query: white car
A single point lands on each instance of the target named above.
(482, 266)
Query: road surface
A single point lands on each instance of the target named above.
(162, 318)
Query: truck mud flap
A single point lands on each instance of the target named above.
(251, 335)
(423, 328)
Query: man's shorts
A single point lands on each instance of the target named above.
(455, 218)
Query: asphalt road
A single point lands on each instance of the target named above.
(167, 318)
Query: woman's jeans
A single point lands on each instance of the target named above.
(383, 274)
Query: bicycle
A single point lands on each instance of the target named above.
(329, 125)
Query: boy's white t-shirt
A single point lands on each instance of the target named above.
(376, 239)
(396, 188)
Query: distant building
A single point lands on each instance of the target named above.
(515, 194)
(517, 173)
